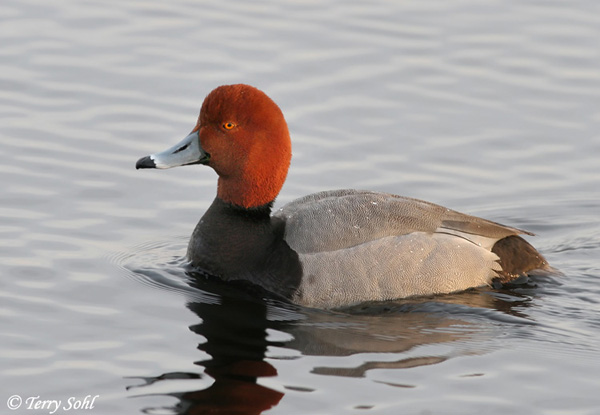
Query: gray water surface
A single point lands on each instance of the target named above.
(491, 108)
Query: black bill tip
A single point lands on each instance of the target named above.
(145, 163)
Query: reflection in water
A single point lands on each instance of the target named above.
(234, 335)
(401, 326)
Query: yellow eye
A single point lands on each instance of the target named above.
(228, 125)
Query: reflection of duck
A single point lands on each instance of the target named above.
(234, 334)
(400, 326)
(328, 249)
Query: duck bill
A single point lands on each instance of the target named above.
(184, 153)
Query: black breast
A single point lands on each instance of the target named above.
(234, 243)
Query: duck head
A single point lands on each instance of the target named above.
(242, 134)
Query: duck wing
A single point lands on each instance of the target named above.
(340, 219)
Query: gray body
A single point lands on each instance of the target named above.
(357, 246)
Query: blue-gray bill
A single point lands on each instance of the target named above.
(184, 153)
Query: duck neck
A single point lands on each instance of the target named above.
(255, 213)
(255, 183)
(247, 193)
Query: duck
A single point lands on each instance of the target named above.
(331, 249)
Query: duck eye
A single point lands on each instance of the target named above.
(228, 125)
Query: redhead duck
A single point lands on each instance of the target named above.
(329, 249)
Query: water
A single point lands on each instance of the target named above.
(491, 108)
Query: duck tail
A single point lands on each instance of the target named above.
(519, 258)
